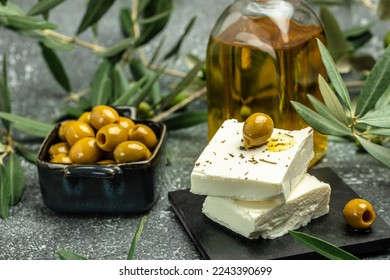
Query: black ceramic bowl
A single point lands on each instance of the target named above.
(125, 188)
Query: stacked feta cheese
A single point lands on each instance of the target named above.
(263, 191)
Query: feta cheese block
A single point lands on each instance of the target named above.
(225, 168)
(268, 219)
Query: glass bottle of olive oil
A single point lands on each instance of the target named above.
(261, 55)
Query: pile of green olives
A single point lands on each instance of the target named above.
(102, 136)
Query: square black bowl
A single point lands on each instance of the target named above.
(126, 188)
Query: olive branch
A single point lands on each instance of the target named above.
(368, 122)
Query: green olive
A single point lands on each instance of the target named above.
(78, 130)
(257, 129)
(61, 158)
(58, 148)
(85, 117)
(63, 128)
(131, 151)
(359, 213)
(126, 123)
(85, 151)
(102, 115)
(143, 134)
(109, 136)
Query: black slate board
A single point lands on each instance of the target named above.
(216, 242)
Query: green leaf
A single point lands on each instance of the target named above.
(150, 9)
(3, 2)
(322, 247)
(5, 100)
(383, 9)
(384, 100)
(182, 84)
(136, 237)
(379, 118)
(334, 76)
(43, 6)
(377, 151)
(337, 44)
(375, 85)
(138, 97)
(120, 81)
(57, 44)
(56, 67)
(27, 125)
(11, 10)
(16, 178)
(28, 23)
(69, 255)
(185, 119)
(125, 98)
(175, 49)
(95, 10)
(359, 35)
(4, 192)
(154, 18)
(117, 48)
(101, 84)
(325, 112)
(157, 51)
(139, 70)
(27, 154)
(379, 131)
(126, 23)
(320, 123)
(331, 100)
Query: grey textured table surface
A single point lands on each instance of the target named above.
(34, 232)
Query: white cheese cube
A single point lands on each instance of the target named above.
(226, 169)
(268, 219)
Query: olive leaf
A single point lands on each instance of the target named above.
(95, 10)
(139, 70)
(148, 10)
(56, 67)
(331, 100)
(125, 98)
(120, 81)
(57, 44)
(4, 192)
(384, 100)
(157, 51)
(3, 2)
(28, 23)
(375, 85)
(69, 255)
(175, 49)
(126, 23)
(320, 246)
(5, 100)
(11, 10)
(379, 131)
(27, 154)
(379, 152)
(16, 178)
(319, 122)
(359, 35)
(43, 6)
(116, 49)
(182, 84)
(27, 125)
(335, 76)
(136, 237)
(101, 84)
(379, 118)
(185, 119)
(337, 44)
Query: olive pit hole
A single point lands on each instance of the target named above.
(367, 216)
(102, 138)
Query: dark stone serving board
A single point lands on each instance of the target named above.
(216, 242)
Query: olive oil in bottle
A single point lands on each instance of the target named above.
(260, 61)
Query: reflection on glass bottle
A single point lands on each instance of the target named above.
(261, 55)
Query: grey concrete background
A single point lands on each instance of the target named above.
(34, 232)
